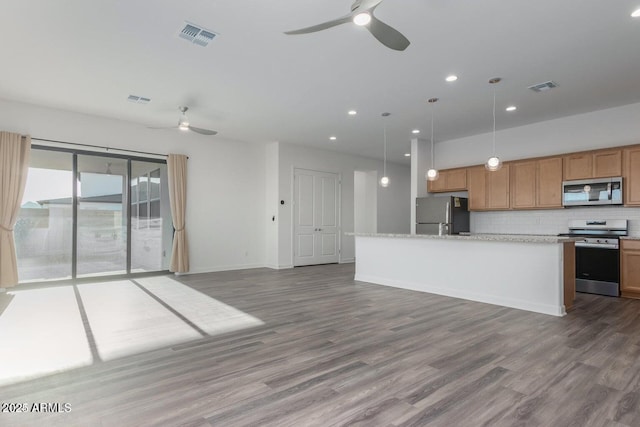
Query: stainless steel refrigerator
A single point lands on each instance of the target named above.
(442, 215)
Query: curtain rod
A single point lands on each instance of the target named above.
(98, 146)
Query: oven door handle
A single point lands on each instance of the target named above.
(597, 245)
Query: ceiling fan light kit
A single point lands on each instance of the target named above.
(362, 19)
(362, 14)
(183, 123)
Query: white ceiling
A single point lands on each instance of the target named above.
(253, 83)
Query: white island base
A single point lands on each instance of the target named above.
(534, 273)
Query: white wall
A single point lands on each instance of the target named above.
(420, 163)
(599, 129)
(365, 205)
(272, 204)
(225, 198)
(393, 202)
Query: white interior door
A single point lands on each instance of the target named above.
(315, 217)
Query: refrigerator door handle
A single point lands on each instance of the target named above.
(447, 213)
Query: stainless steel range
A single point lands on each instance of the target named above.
(598, 255)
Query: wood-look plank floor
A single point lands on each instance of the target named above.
(335, 352)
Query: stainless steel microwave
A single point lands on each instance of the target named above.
(599, 191)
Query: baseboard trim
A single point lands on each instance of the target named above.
(224, 268)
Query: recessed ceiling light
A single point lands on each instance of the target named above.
(333, 138)
(407, 154)
(452, 78)
(635, 13)
(511, 108)
(415, 131)
(352, 112)
(362, 19)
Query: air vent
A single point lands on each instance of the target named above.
(543, 87)
(197, 35)
(138, 99)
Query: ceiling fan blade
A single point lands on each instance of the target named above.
(388, 36)
(203, 131)
(323, 26)
(162, 127)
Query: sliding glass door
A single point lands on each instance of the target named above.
(85, 214)
(150, 210)
(101, 216)
(44, 229)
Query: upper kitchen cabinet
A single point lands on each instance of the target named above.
(536, 184)
(488, 190)
(524, 177)
(549, 183)
(476, 184)
(593, 164)
(607, 163)
(449, 180)
(578, 166)
(631, 174)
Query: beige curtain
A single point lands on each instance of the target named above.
(177, 168)
(14, 166)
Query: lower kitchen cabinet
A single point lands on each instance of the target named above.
(630, 268)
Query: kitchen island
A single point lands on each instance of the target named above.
(534, 273)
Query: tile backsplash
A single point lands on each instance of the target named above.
(549, 221)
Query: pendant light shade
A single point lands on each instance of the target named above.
(493, 163)
(432, 174)
(384, 181)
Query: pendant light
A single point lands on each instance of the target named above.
(432, 174)
(493, 163)
(384, 181)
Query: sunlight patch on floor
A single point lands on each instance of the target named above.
(125, 320)
(41, 332)
(208, 314)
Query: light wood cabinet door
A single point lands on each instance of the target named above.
(498, 188)
(549, 183)
(476, 185)
(631, 174)
(578, 166)
(630, 268)
(449, 180)
(438, 185)
(456, 179)
(523, 184)
(607, 163)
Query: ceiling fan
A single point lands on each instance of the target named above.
(362, 14)
(183, 124)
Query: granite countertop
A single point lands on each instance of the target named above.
(517, 238)
(630, 237)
